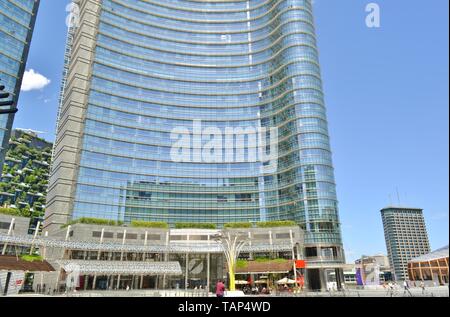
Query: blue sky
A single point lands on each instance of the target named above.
(387, 97)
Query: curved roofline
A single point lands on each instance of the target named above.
(434, 255)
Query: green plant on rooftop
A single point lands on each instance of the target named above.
(188, 225)
(9, 211)
(93, 221)
(238, 225)
(241, 264)
(31, 258)
(265, 260)
(149, 224)
(274, 224)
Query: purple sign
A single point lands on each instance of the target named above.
(359, 279)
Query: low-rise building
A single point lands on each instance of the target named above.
(371, 270)
(431, 268)
(92, 256)
(20, 224)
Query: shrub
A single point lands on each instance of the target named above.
(149, 224)
(195, 226)
(238, 225)
(94, 221)
(263, 260)
(10, 211)
(273, 224)
(31, 258)
(241, 264)
(25, 212)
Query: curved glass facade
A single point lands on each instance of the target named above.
(159, 66)
(17, 19)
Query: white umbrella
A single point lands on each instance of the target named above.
(241, 282)
(261, 282)
(286, 281)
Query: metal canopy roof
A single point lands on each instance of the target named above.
(173, 247)
(435, 255)
(12, 263)
(120, 267)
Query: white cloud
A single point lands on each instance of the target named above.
(34, 81)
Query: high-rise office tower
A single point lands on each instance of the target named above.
(17, 19)
(142, 76)
(406, 237)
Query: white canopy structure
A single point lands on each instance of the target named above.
(435, 255)
(120, 267)
(286, 281)
(241, 282)
(173, 247)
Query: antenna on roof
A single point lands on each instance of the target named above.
(398, 196)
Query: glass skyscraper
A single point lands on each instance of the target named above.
(140, 69)
(17, 19)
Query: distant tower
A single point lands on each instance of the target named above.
(406, 237)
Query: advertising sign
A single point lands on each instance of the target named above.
(300, 264)
(15, 284)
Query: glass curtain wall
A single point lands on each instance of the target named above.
(159, 65)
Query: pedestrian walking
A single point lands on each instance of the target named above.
(220, 289)
(390, 289)
(406, 288)
(422, 286)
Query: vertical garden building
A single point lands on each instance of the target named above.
(138, 69)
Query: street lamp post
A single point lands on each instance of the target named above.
(232, 247)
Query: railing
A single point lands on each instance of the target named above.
(440, 291)
(140, 293)
(381, 292)
(324, 259)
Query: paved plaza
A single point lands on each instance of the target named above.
(441, 291)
